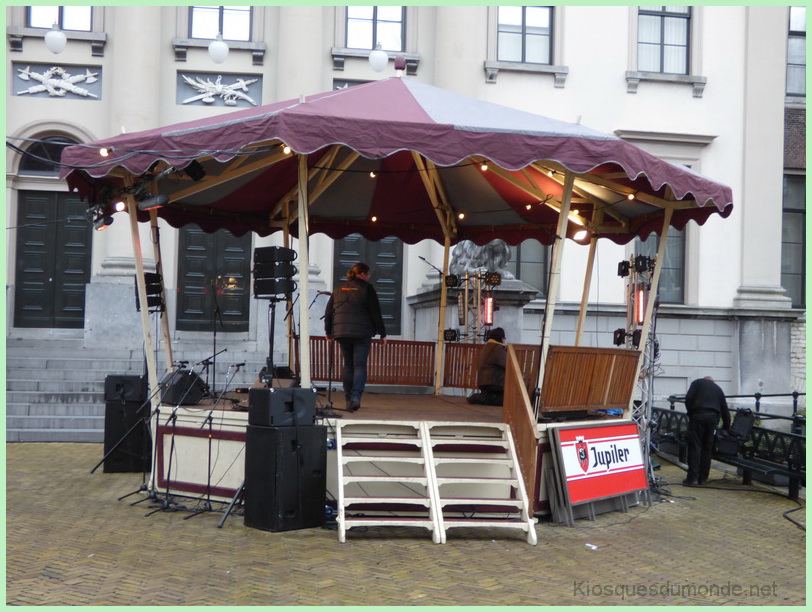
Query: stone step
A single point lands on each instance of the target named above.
(39, 364)
(55, 410)
(38, 397)
(54, 435)
(55, 422)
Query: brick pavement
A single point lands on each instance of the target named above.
(70, 542)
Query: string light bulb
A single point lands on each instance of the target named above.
(461, 216)
(286, 149)
(104, 151)
(120, 206)
(372, 174)
(374, 219)
(529, 206)
(484, 167)
(630, 196)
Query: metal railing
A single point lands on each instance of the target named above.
(798, 420)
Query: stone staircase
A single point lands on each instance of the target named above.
(55, 387)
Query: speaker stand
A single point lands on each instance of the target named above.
(237, 496)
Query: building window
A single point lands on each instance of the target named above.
(67, 17)
(42, 157)
(796, 52)
(671, 289)
(525, 34)
(369, 25)
(529, 263)
(793, 239)
(233, 22)
(663, 39)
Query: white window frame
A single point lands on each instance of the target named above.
(686, 150)
(341, 52)
(182, 42)
(18, 30)
(693, 79)
(555, 69)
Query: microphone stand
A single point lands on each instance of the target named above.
(216, 314)
(167, 504)
(209, 419)
(431, 265)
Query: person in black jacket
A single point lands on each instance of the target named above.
(352, 317)
(706, 403)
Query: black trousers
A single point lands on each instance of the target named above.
(701, 427)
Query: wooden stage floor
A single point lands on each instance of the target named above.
(379, 405)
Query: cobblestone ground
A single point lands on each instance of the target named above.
(70, 542)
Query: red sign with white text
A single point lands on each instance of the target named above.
(600, 461)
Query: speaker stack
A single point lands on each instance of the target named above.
(124, 398)
(285, 461)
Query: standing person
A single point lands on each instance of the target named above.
(490, 372)
(352, 318)
(705, 402)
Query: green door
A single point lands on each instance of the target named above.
(213, 274)
(385, 258)
(53, 260)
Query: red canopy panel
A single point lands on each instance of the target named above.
(380, 127)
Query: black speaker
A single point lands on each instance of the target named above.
(281, 407)
(125, 397)
(182, 387)
(125, 388)
(285, 477)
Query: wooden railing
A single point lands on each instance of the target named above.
(460, 364)
(518, 413)
(588, 378)
(398, 362)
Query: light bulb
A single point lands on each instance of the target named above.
(218, 49)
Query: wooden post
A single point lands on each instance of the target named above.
(652, 295)
(141, 284)
(555, 277)
(590, 265)
(439, 362)
(159, 268)
(304, 285)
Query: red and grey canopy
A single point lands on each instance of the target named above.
(396, 158)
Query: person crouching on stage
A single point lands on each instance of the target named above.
(352, 318)
(490, 374)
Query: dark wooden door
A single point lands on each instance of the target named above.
(385, 258)
(213, 273)
(53, 260)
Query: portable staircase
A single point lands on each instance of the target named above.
(434, 475)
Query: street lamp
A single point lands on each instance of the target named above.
(378, 59)
(218, 49)
(55, 39)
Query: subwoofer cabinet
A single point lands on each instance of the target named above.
(285, 477)
(281, 407)
(126, 437)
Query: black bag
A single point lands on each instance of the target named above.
(729, 443)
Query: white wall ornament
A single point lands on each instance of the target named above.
(57, 82)
(208, 91)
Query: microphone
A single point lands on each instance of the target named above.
(324, 293)
(238, 365)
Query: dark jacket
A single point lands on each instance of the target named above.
(491, 364)
(704, 394)
(353, 311)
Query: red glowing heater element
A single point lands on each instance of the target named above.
(487, 311)
(641, 305)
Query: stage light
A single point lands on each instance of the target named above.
(581, 235)
(623, 268)
(487, 311)
(218, 49)
(452, 281)
(619, 337)
(195, 171)
(120, 206)
(641, 263)
(636, 335)
(450, 335)
(493, 278)
(378, 59)
(153, 202)
(55, 39)
(103, 222)
(640, 306)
